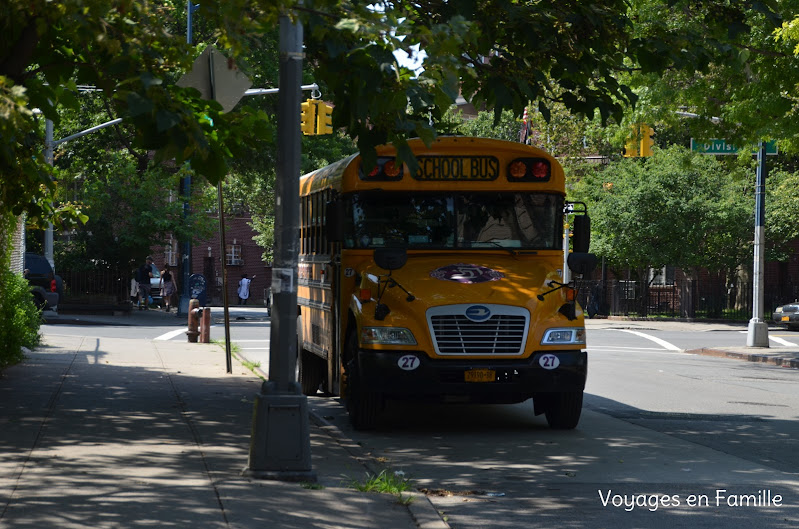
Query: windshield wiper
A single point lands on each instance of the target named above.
(495, 243)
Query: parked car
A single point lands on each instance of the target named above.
(787, 315)
(46, 286)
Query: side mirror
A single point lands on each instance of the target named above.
(390, 258)
(334, 220)
(581, 263)
(581, 238)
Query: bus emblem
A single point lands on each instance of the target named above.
(478, 313)
(466, 273)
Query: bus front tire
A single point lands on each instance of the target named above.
(363, 406)
(563, 410)
(311, 372)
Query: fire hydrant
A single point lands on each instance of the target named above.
(194, 320)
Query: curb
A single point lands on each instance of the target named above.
(749, 357)
(422, 510)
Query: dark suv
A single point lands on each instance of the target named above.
(45, 285)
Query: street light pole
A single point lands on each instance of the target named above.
(280, 445)
(757, 335)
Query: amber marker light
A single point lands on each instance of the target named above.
(365, 290)
(391, 169)
(518, 169)
(571, 294)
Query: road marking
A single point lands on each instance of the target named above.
(777, 339)
(780, 341)
(622, 348)
(662, 343)
(171, 334)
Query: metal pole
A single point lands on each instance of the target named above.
(287, 210)
(183, 304)
(223, 253)
(280, 444)
(48, 158)
(270, 91)
(757, 335)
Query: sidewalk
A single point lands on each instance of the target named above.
(120, 433)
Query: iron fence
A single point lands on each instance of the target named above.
(95, 287)
(688, 299)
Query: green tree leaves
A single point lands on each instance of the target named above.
(674, 208)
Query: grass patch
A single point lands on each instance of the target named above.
(387, 482)
(250, 365)
(311, 486)
(234, 347)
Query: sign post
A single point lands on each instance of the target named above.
(757, 335)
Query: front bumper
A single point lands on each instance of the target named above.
(514, 380)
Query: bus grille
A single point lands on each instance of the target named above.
(501, 334)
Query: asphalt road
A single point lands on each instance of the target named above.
(667, 439)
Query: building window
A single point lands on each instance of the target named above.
(662, 276)
(171, 252)
(233, 255)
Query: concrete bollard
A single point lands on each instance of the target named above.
(194, 321)
(205, 325)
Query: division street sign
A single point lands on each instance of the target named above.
(722, 147)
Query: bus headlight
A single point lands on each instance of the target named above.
(565, 336)
(387, 336)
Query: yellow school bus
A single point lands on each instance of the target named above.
(446, 284)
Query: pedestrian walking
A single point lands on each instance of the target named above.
(134, 287)
(143, 275)
(244, 289)
(168, 287)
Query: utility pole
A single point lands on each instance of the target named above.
(280, 445)
(185, 296)
(757, 335)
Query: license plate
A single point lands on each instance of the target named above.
(786, 318)
(480, 375)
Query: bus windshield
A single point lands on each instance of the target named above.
(521, 220)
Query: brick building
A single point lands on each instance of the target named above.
(242, 256)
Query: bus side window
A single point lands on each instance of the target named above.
(324, 199)
(303, 226)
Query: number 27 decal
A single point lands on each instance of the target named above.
(549, 361)
(408, 362)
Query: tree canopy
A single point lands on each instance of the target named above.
(741, 77)
(675, 208)
(498, 54)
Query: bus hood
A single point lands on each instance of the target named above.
(437, 280)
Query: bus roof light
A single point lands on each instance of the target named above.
(540, 170)
(529, 170)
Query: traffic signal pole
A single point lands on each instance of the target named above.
(280, 446)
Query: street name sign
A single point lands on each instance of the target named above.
(720, 147)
